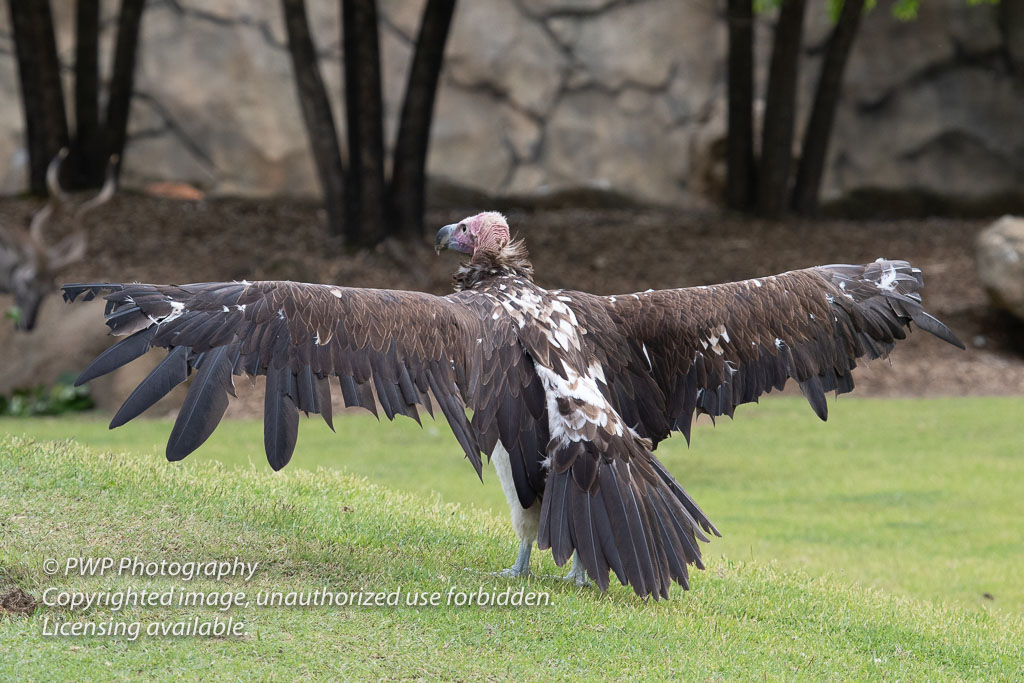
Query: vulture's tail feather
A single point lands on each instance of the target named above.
(622, 511)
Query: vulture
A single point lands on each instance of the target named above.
(567, 393)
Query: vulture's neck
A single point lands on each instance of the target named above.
(512, 259)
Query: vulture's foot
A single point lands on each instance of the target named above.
(577, 573)
(522, 565)
(513, 572)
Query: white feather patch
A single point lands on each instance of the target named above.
(177, 310)
(888, 281)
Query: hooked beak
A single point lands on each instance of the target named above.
(444, 236)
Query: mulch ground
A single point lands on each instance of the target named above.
(604, 251)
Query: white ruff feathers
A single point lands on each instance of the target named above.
(558, 321)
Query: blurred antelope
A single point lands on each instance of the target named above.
(28, 265)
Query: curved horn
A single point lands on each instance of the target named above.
(56, 200)
(106, 192)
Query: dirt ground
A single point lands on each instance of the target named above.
(605, 251)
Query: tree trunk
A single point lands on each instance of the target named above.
(122, 80)
(739, 151)
(408, 175)
(42, 97)
(86, 160)
(780, 111)
(365, 192)
(814, 150)
(1011, 24)
(316, 112)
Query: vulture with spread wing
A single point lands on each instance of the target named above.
(568, 393)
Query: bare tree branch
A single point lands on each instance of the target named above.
(740, 166)
(408, 175)
(366, 191)
(780, 111)
(86, 167)
(814, 150)
(122, 80)
(316, 112)
(46, 128)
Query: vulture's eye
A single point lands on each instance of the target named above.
(463, 227)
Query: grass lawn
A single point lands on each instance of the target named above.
(858, 548)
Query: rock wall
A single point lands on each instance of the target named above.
(544, 95)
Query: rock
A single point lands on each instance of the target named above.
(468, 132)
(708, 169)
(954, 134)
(930, 106)
(148, 159)
(976, 28)
(543, 8)
(13, 157)
(630, 45)
(634, 100)
(146, 120)
(495, 47)
(889, 52)
(404, 15)
(565, 29)
(590, 138)
(528, 180)
(999, 252)
(266, 17)
(230, 102)
(522, 133)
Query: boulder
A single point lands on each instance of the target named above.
(999, 253)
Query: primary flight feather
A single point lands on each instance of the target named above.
(569, 393)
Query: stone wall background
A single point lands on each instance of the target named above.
(545, 95)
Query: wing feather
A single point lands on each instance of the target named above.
(387, 348)
(681, 352)
(172, 371)
(280, 418)
(204, 404)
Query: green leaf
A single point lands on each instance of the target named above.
(13, 313)
(905, 10)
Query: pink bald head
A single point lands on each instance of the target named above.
(484, 233)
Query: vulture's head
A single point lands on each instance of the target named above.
(483, 234)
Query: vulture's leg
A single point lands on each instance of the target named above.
(525, 522)
(522, 565)
(577, 574)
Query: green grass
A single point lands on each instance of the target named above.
(917, 497)
(314, 529)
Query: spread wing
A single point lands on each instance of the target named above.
(390, 349)
(662, 356)
(670, 353)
